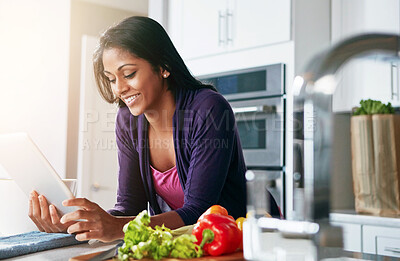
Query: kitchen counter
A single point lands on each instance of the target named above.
(369, 234)
(273, 243)
(337, 254)
(65, 253)
(350, 216)
(274, 246)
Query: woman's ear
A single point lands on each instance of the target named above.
(165, 73)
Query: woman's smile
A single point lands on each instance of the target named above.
(131, 100)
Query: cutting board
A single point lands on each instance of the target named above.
(237, 256)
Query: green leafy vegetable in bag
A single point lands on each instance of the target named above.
(369, 107)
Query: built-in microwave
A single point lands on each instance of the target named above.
(250, 83)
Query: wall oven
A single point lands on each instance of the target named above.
(257, 97)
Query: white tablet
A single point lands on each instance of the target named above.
(27, 166)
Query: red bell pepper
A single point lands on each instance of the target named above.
(217, 234)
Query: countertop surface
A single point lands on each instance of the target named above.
(289, 248)
(65, 253)
(350, 216)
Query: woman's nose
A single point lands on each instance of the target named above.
(120, 87)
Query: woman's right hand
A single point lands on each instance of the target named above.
(45, 217)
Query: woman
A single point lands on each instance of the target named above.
(178, 147)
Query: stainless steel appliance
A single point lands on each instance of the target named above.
(257, 96)
(312, 100)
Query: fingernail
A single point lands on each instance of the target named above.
(40, 197)
(62, 220)
(64, 203)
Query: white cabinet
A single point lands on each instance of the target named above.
(203, 27)
(364, 79)
(351, 236)
(381, 240)
(207, 27)
(260, 22)
(369, 234)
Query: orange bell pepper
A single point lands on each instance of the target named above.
(216, 209)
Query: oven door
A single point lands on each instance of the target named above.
(260, 123)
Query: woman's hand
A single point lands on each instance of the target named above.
(45, 217)
(96, 223)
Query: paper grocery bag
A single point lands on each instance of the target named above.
(375, 145)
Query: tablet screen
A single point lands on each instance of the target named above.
(28, 167)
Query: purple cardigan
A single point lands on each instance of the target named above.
(209, 158)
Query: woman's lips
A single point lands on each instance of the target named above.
(131, 99)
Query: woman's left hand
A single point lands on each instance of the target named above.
(93, 221)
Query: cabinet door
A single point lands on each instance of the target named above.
(208, 27)
(258, 22)
(381, 240)
(351, 236)
(203, 27)
(366, 78)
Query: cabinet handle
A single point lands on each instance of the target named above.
(394, 72)
(95, 187)
(252, 109)
(221, 17)
(229, 26)
(392, 249)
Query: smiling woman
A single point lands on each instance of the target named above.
(178, 148)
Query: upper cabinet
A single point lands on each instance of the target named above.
(259, 22)
(208, 27)
(367, 78)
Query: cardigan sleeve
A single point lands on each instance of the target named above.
(213, 140)
(131, 197)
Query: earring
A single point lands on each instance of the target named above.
(165, 75)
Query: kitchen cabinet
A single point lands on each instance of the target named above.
(207, 27)
(352, 240)
(369, 234)
(367, 78)
(381, 240)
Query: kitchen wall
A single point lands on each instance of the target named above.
(40, 69)
(34, 51)
(90, 19)
(40, 52)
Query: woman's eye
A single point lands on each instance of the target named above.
(130, 75)
(111, 80)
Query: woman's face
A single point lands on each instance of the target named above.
(134, 80)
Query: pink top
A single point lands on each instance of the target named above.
(168, 187)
